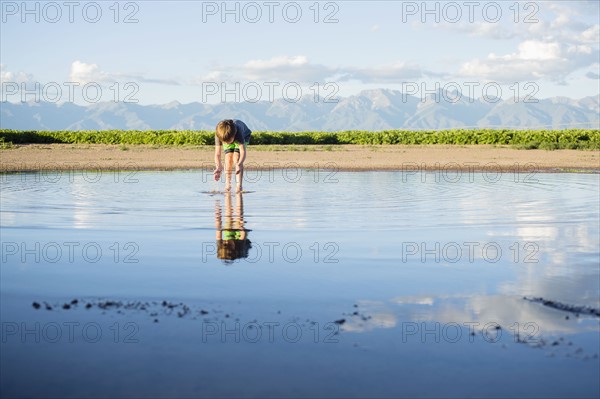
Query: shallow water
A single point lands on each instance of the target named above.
(425, 274)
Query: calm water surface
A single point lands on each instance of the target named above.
(311, 284)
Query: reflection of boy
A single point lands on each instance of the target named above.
(233, 136)
(232, 237)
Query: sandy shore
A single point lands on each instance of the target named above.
(112, 157)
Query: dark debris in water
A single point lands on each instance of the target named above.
(356, 313)
(154, 310)
(565, 307)
(157, 309)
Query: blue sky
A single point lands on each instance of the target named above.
(183, 51)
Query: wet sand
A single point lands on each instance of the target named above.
(350, 157)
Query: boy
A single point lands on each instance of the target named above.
(232, 236)
(233, 135)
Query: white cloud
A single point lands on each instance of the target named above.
(83, 73)
(579, 49)
(299, 69)
(553, 48)
(87, 73)
(277, 62)
(283, 68)
(569, 15)
(533, 60)
(375, 321)
(532, 50)
(212, 76)
(479, 29)
(556, 21)
(415, 300)
(590, 35)
(7, 76)
(13, 82)
(562, 20)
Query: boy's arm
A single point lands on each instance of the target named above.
(218, 169)
(240, 164)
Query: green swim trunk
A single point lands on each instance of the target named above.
(232, 235)
(233, 147)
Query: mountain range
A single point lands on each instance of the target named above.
(378, 109)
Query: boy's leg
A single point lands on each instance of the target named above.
(238, 178)
(228, 170)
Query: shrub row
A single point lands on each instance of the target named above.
(550, 139)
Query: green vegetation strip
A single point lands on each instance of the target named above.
(526, 139)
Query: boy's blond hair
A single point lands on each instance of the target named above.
(233, 249)
(226, 130)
